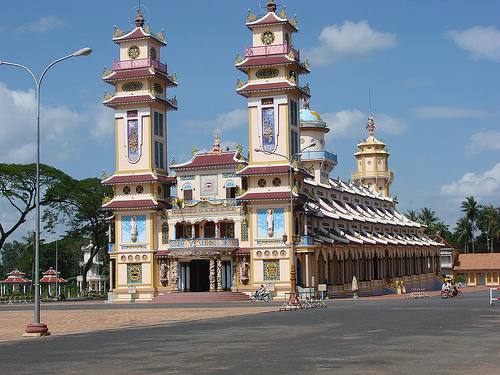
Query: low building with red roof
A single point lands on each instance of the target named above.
(478, 269)
(16, 282)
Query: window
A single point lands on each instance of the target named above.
(293, 113)
(188, 192)
(294, 143)
(158, 124)
(230, 190)
(159, 155)
(262, 182)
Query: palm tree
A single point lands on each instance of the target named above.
(471, 209)
(442, 230)
(411, 215)
(489, 222)
(428, 218)
(464, 232)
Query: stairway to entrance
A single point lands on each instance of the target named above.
(200, 297)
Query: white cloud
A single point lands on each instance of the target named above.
(484, 187)
(42, 25)
(437, 112)
(484, 140)
(60, 138)
(350, 39)
(224, 121)
(482, 42)
(351, 123)
(232, 120)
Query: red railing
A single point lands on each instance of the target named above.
(271, 50)
(139, 63)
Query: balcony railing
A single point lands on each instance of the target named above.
(318, 154)
(204, 242)
(139, 63)
(379, 174)
(274, 49)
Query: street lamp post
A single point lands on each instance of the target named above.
(37, 328)
(293, 238)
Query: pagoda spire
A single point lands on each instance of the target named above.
(139, 20)
(370, 125)
(271, 6)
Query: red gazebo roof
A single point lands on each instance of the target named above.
(16, 277)
(50, 276)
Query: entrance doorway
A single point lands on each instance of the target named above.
(199, 276)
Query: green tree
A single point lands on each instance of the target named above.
(464, 233)
(442, 229)
(471, 209)
(489, 223)
(412, 215)
(11, 256)
(78, 204)
(428, 217)
(18, 187)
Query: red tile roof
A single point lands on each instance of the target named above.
(256, 170)
(207, 160)
(129, 99)
(262, 87)
(271, 18)
(116, 204)
(136, 73)
(486, 261)
(269, 61)
(265, 195)
(137, 33)
(133, 178)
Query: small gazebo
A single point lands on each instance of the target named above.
(53, 282)
(16, 281)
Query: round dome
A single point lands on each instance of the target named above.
(308, 115)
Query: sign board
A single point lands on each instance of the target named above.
(270, 287)
(321, 287)
(131, 289)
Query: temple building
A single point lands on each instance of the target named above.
(275, 218)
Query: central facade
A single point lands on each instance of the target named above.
(275, 218)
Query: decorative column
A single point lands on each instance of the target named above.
(212, 275)
(219, 274)
(175, 276)
(234, 265)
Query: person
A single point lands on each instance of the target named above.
(454, 290)
(446, 287)
(261, 291)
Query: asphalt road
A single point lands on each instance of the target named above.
(363, 336)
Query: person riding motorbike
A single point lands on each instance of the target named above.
(261, 291)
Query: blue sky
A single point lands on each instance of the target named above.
(432, 68)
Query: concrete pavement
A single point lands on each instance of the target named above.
(69, 317)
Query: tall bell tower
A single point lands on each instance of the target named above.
(274, 176)
(141, 183)
(372, 161)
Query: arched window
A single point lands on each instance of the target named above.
(230, 189)
(188, 192)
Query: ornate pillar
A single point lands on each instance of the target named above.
(212, 275)
(175, 275)
(234, 265)
(219, 274)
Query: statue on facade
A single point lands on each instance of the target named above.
(270, 222)
(163, 272)
(244, 271)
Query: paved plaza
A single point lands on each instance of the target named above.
(376, 335)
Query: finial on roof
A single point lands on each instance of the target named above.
(139, 20)
(216, 150)
(271, 6)
(370, 125)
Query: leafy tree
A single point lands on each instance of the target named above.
(11, 256)
(428, 217)
(471, 209)
(78, 204)
(464, 232)
(18, 187)
(442, 229)
(412, 215)
(489, 223)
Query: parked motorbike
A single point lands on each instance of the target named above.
(263, 297)
(452, 293)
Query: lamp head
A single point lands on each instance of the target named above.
(83, 52)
